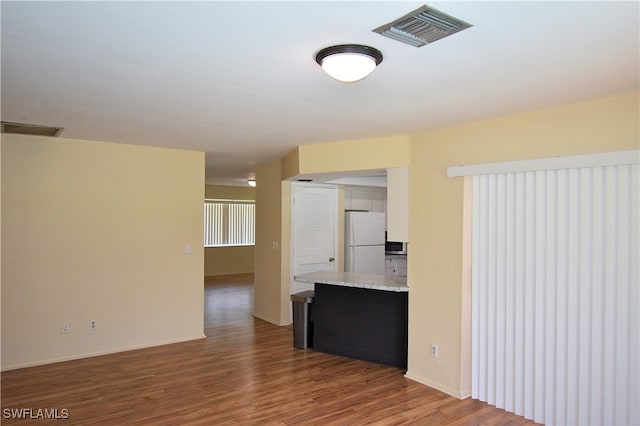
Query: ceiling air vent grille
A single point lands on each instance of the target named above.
(422, 26)
(30, 129)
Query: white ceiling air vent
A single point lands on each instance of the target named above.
(422, 26)
(30, 129)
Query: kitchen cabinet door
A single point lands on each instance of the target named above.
(395, 265)
(398, 204)
(378, 201)
(372, 199)
(360, 199)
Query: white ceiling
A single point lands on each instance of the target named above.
(238, 79)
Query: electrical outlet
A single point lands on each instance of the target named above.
(434, 350)
(65, 328)
(93, 324)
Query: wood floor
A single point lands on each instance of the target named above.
(245, 372)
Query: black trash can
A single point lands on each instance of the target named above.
(302, 319)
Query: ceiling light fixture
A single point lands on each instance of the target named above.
(251, 182)
(349, 62)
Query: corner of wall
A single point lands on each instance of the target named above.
(285, 255)
(268, 272)
(456, 393)
(290, 164)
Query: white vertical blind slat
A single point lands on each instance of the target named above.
(500, 292)
(563, 300)
(509, 315)
(560, 301)
(475, 286)
(555, 294)
(550, 284)
(573, 352)
(584, 289)
(633, 301)
(219, 236)
(490, 286)
(529, 308)
(597, 296)
(520, 294)
(609, 303)
(539, 306)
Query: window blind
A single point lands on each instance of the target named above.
(229, 223)
(555, 299)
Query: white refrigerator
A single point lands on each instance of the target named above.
(364, 242)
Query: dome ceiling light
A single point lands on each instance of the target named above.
(349, 62)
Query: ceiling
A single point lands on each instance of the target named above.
(238, 79)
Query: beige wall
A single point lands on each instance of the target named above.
(285, 256)
(342, 156)
(235, 259)
(436, 214)
(268, 300)
(437, 295)
(99, 231)
(290, 164)
(228, 260)
(273, 203)
(227, 192)
(361, 154)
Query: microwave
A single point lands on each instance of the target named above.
(395, 247)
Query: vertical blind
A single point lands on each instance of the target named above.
(555, 299)
(229, 223)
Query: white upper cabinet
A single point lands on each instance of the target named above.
(379, 200)
(360, 199)
(371, 199)
(398, 204)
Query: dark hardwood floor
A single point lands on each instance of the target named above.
(245, 372)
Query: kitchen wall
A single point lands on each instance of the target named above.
(94, 230)
(233, 259)
(438, 299)
(273, 205)
(362, 154)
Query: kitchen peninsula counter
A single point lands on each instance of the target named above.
(360, 316)
(355, 279)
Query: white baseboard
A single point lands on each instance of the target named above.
(271, 320)
(99, 353)
(460, 394)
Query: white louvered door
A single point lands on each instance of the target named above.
(314, 228)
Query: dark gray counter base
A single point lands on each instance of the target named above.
(365, 324)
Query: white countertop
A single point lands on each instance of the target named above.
(354, 279)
